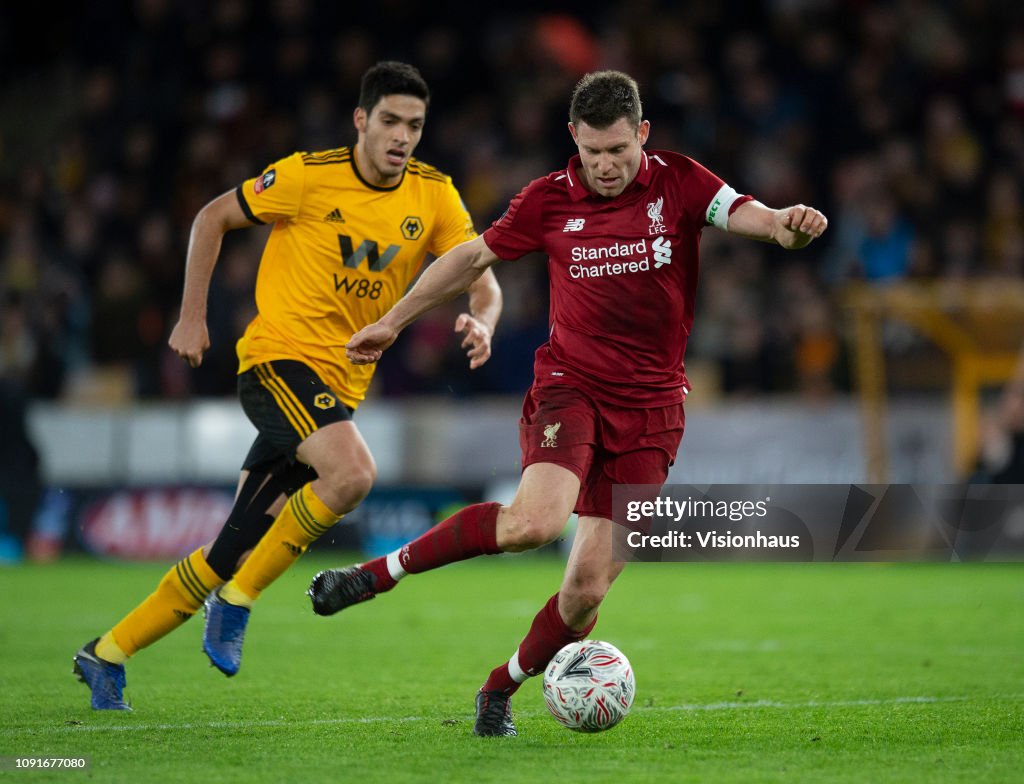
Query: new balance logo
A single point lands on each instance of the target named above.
(334, 216)
(183, 615)
(662, 252)
(294, 549)
(574, 224)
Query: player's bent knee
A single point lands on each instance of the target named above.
(529, 533)
(349, 487)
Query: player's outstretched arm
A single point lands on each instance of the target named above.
(443, 280)
(190, 338)
(791, 227)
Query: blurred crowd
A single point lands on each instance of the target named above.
(903, 121)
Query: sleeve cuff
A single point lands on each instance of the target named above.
(245, 207)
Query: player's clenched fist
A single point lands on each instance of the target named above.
(189, 340)
(796, 226)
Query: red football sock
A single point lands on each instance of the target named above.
(467, 533)
(379, 566)
(547, 636)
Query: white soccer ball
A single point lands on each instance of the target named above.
(589, 686)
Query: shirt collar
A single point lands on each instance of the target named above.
(579, 191)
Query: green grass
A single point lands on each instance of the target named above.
(745, 673)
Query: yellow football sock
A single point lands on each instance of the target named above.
(303, 520)
(108, 650)
(180, 593)
(233, 595)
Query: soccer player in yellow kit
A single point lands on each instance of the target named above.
(352, 227)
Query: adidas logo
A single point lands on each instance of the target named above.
(334, 216)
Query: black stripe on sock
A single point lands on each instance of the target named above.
(187, 582)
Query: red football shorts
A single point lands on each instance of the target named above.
(602, 444)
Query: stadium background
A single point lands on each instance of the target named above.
(903, 121)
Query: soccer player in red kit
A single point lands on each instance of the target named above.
(621, 227)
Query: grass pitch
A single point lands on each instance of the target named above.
(745, 673)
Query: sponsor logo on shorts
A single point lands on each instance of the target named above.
(324, 401)
(551, 435)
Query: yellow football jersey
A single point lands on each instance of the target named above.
(341, 253)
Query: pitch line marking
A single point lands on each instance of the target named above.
(690, 708)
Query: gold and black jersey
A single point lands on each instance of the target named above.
(341, 253)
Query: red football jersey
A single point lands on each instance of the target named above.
(623, 273)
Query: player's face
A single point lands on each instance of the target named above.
(387, 137)
(610, 156)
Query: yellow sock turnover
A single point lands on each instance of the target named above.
(303, 520)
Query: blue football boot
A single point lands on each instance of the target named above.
(105, 679)
(224, 633)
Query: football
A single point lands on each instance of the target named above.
(589, 686)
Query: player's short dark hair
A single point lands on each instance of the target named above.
(602, 97)
(390, 77)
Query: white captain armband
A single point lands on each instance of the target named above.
(718, 210)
